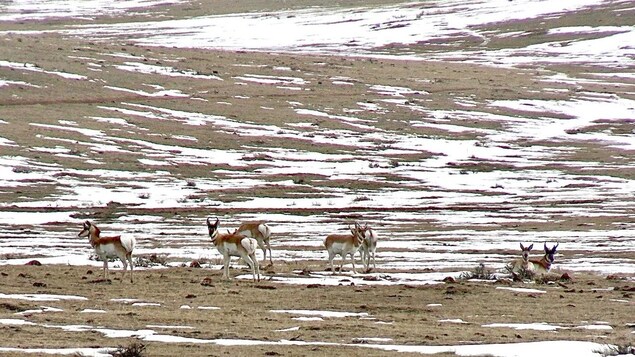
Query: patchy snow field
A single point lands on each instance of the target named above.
(492, 173)
(436, 182)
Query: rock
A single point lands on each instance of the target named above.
(615, 277)
(34, 262)
(265, 287)
(195, 264)
(207, 281)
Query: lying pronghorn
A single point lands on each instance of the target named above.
(543, 265)
(234, 245)
(344, 244)
(110, 247)
(261, 233)
(523, 264)
(369, 246)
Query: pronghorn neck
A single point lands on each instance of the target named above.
(544, 263)
(214, 236)
(93, 235)
(358, 239)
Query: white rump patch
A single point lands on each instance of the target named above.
(264, 230)
(249, 244)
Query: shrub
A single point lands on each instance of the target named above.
(150, 261)
(135, 349)
(479, 272)
(521, 275)
(616, 350)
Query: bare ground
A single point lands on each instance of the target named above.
(245, 307)
(400, 313)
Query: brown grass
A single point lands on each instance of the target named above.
(245, 306)
(245, 310)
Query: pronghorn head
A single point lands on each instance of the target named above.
(86, 229)
(369, 234)
(359, 233)
(526, 251)
(549, 253)
(212, 228)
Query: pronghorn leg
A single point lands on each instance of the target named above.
(129, 257)
(257, 266)
(251, 264)
(365, 258)
(270, 254)
(261, 245)
(125, 268)
(353, 262)
(226, 266)
(255, 269)
(374, 264)
(105, 267)
(331, 257)
(342, 262)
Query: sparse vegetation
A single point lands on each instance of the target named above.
(479, 272)
(617, 350)
(549, 278)
(175, 289)
(211, 185)
(522, 274)
(134, 349)
(151, 260)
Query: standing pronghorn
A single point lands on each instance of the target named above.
(523, 264)
(234, 245)
(543, 265)
(261, 233)
(344, 244)
(106, 247)
(369, 246)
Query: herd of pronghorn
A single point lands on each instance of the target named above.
(250, 235)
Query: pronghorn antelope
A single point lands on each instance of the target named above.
(106, 247)
(369, 246)
(543, 265)
(523, 263)
(234, 245)
(261, 233)
(344, 244)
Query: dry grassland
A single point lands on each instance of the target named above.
(246, 311)
(245, 307)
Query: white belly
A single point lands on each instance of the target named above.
(230, 248)
(342, 248)
(106, 251)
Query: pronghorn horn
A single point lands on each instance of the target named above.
(87, 223)
(531, 246)
(522, 247)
